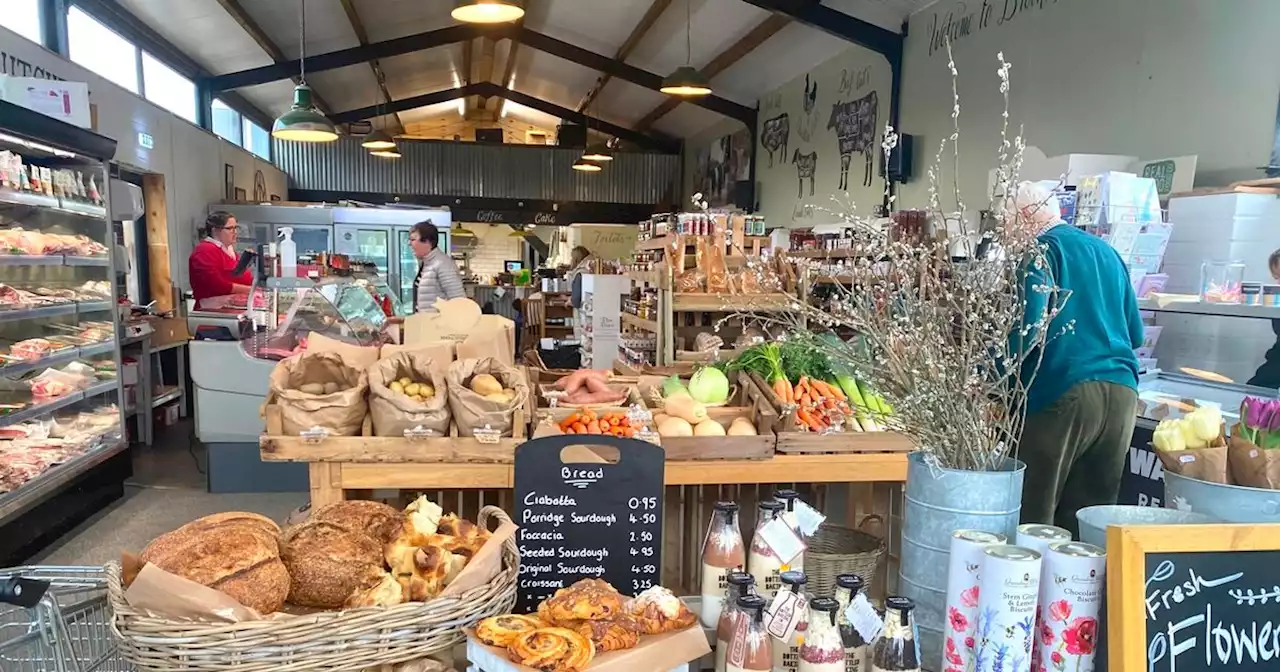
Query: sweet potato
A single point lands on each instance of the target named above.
(582, 397)
(574, 381)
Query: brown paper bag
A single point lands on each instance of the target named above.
(1204, 464)
(356, 356)
(472, 411)
(441, 353)
(1252, 466)
(392, 412)
(341, 413)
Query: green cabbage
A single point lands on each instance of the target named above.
(709, 385)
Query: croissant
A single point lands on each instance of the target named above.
(426, 576)
(586, 600)
(658, 610)
(501, 630)
(552, 650)
(615, 634)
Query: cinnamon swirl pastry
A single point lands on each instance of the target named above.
(501, 630)
(552, 650)
(658, 610)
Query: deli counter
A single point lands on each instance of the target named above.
(235, 349)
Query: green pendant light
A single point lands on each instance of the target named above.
(686, 81)
(488, 11)
(303, 122)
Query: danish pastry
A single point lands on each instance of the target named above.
(586, 600)
(658, 610)
(501, 630)
(552, 650)
(424, 577)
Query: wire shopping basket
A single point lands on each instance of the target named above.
(56, 619)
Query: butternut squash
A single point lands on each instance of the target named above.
(708, 427)
(683, 406)
(742, 427)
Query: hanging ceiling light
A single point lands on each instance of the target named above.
(303, 122)
(686, 80)
(378, 140)
(598, 152)
(587, 166)
(392, 153)
(488, 11)
(458, 231)
(517, 233)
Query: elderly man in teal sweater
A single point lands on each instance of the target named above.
(1082, 402)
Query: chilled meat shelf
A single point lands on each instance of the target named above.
(56, 310)
(47, 203)
(48, 407)
(59, 356)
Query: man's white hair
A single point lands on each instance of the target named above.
(1035, 204)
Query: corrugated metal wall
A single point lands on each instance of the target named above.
(476, 170)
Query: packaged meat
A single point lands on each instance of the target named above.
(10, 299)
(31, 349)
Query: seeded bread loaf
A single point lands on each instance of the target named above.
(374, 519)
(328, 563)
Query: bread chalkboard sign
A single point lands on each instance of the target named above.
(587, 519)
(1193, 598)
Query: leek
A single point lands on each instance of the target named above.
(857, 402)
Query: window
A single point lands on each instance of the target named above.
(23, 18)
(257, 140)
(166, 88)
(97, 48)
(227, 123)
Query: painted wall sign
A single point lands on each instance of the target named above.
(490, 216)
(966, 17)
(1187, 598)
(1173, 175)
(13, 66)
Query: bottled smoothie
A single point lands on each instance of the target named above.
(722, 552)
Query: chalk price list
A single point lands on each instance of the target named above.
(643, 518)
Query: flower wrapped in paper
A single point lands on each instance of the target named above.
(1254, 449)
(1194, 445)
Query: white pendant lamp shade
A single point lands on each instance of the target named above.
(488, 11)
(586, 166)
(378, 140)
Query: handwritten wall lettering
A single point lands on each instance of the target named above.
(490, 216)
(771, 102)
(13, 66)
(852, 81)
(966, 17)
(544, 218)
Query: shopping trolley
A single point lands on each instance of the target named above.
(56, 619)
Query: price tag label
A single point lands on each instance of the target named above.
(419, 433)
(807, 518)
(553, 397)
(863, 617)
(783, 615)
(487, 435)
(650, 436)
(314, 435)
(782, 540)
(639, 416)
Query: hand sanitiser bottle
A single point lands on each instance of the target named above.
(288, 253)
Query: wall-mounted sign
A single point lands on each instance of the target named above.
(1172, 176)
(490, 216)
(544, 218)
(145, 140)
(1186, 598)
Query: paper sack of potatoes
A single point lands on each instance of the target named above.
(407, 392)
(485, 392)
(318, 390)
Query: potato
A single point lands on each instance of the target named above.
(404, 381)
(498, 397)
(397, 387)
(312, 388)
(330, 388)
(411, 389)
(485, 385)
(426, 390)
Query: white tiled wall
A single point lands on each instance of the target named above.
(494, 247)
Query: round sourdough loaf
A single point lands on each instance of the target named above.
(374, 519)
(328, 563)
(236, 553)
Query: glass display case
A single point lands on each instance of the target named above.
(60, 414)
(341, 308)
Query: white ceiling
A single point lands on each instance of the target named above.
(206, 32)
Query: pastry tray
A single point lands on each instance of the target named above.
(483, 659)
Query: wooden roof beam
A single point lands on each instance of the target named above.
(633, 40)
(260, 36)
(362, 35)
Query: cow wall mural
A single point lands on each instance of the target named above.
(776, 136)
(855, 125)
(809, 104)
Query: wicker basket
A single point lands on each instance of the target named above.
(835, 550)
(330, 640)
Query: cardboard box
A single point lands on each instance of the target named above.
(166, 331)
(64, 101)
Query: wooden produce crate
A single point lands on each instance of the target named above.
(795, 439)
(547, 420)
(677, 369)
(742, 404)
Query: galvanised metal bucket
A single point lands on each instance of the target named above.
(1227, 503)
(939, 502)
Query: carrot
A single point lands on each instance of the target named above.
(822, 388)
(829, 403)
(593, 427)
(804, 380)
(808, 420)
(804, 399)
(579, 428)
(836, 391)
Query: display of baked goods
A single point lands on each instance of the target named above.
(586, 600)
(387, 592)
(327, 563)
(375, 519)
(658, 610)
(502, 630)
(615, 634)
(236, 553)
(552, 650)
(423, 556)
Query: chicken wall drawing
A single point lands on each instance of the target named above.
(776, 136)
(855, 126)
(809, 103)
(806, 166)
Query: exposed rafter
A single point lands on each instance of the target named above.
(835, 22)
(646, 23)
(485, 65)
(489, 89)
(255, 31)
(736, 51)
(362, 35)
(531, 38)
